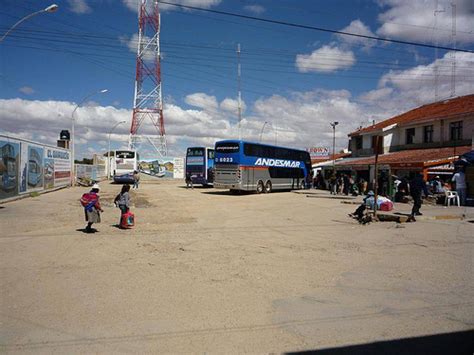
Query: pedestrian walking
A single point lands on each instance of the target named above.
(333, 184)
(122, 201)
(90, 202)
(417, 187)
(345, 184)
(459, 180)
(136, 179)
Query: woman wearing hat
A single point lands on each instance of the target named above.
(92, 208)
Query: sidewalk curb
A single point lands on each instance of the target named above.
(28, 194)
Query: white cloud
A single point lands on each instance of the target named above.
(231, 105)
(79, 6)
(26, 90)
(414, 21)
(325, 59)
(132, 44)
(416, 86)
(300, 119)
(357, 27)
(201, 100)
(255, 9)
(206, 4)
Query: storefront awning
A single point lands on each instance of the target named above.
(409, 159)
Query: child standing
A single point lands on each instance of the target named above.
(122, 201)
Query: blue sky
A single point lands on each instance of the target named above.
(297, 80)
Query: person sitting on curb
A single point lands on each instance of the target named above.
(359, 212)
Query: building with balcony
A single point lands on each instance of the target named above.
(448, 123)
(427, 139)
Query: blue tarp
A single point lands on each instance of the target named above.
(466, 159)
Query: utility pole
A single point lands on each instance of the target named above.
(333, 125)
(453, 53)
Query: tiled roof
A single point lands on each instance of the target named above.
(436, 110)
(414, 156)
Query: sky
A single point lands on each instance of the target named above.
(297, 80)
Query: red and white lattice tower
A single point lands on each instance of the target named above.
(148, 104)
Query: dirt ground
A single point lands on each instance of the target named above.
(205, 271)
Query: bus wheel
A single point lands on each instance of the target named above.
(260, 187)
(268, 187)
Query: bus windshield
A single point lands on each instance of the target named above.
(195, 152)
(199, 166)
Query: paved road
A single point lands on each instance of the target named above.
(206, 271)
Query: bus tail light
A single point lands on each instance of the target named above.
(239, 174)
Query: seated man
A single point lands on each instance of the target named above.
(359, 212)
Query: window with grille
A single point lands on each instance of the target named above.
(456, 130)
(410, 135)
(428, 134)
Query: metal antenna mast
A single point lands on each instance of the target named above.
(436, 69)
(453, 53)
(238, 88)
(148, 104)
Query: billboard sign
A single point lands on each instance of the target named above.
(178, 169)
(62, 165)
(318, 152)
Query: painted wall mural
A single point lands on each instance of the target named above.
(26, 167)
(9, 167)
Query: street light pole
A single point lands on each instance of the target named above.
(73, 176)
(109, 166)
(50, 8)
(333, 125)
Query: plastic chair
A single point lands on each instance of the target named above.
(452, 196)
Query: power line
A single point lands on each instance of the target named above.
(314, 28)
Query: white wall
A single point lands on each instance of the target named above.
(366, 141)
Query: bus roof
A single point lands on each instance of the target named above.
(267, 145)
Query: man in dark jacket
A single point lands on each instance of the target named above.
(417, 186)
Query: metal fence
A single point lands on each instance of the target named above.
(93, 172)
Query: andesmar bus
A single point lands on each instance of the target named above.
(246, 166)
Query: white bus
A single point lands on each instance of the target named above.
(123, 164)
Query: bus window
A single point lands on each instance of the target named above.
(210, 154)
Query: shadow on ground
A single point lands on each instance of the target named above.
(446, 343)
